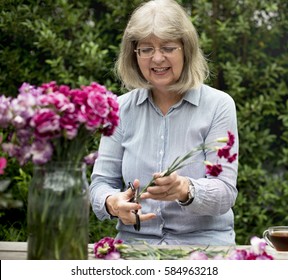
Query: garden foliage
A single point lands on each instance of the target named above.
(246, 43)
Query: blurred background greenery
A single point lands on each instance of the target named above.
(246, 43)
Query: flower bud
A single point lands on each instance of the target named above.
(222, 139)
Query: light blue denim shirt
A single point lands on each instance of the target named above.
(146, 141)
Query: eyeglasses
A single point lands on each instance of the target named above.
(147, 52)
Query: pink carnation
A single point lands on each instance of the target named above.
(198, 255)
(64, 89)
(106, 247)
(69, 123)
(224, 152)
(49, 87)
(41, 152)
(3, 164)
(5, 111)
(90, 159)
(213, 169)
(93, 121)
(46, 123)
(95, 87)
(232, 158)
(78, 97)
(59, 100)
(98, 104)
(231, 139)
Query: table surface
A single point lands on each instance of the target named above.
(10, 250)
(18, 250)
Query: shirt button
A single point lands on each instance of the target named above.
(161, 152)
(158, 209)
(161, 226)
(162, 137)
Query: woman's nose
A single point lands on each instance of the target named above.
(158, 55)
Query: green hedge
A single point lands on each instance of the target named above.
(76, 42)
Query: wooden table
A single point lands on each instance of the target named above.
(18, 251)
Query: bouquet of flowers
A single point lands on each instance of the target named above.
(54, 122)
(52, 126)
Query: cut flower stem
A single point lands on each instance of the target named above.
(181, 161)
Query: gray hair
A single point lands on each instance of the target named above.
(167, 20)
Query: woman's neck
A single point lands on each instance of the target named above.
(165, 100)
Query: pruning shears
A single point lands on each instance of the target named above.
(135, 199)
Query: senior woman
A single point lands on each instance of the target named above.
(167, 112)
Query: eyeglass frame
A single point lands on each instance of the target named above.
(137, 50)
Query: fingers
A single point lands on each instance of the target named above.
(132, 188)
(129, 207)
(159, 180)
(120, 205)
(136, 183)
(161, 195)
(146, 217)
(165, 188)
(130, 217)
(125, 210)
(130, 192)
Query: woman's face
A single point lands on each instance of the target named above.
(162, 69)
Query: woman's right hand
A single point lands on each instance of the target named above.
(118, 205)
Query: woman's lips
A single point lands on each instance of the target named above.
(160, 70)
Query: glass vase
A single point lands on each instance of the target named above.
(58, 213)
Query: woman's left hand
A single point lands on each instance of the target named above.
(168, 188)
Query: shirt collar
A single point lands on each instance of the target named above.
(143, 95)
(192, 96)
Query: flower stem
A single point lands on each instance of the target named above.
(178, 163)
